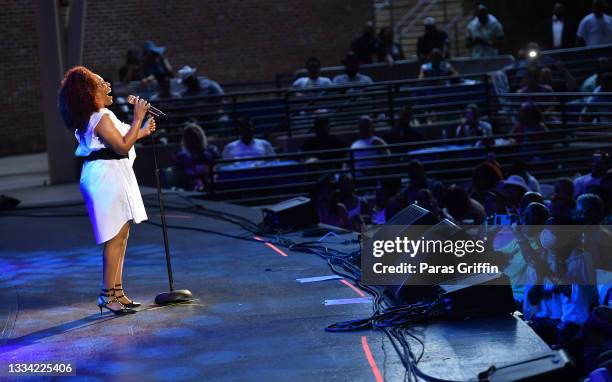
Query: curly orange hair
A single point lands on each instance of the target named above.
(77, 98)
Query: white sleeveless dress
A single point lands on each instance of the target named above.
(109, 187)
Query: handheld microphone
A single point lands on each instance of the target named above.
(152, 110)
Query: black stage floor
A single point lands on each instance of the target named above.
(251, 321)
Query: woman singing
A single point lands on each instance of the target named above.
(108, 183)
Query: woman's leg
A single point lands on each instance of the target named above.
(113, 251)
(119, 273)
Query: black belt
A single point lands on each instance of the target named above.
(104, 154)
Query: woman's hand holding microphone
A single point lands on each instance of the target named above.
(141, 107)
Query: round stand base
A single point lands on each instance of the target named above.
(176, 296)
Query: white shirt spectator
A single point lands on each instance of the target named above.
(370, 142)
(344, 79)
(489, 32)
(307, 82)
(595, 30)
(256, 148)
(557, 32)
(583, 182)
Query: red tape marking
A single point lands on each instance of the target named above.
(353, 287)
(370, 357)
(275, 248)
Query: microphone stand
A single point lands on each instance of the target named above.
(172, 296)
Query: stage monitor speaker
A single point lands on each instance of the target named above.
(552, 366)
(295, 213)
(413, 215)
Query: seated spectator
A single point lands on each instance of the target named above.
(486, 178)
(426, 199)
(519, 167)
(473, 126)
(403, 131)
(529, 121)
(329, 209)
(198, 86)
(567, 83)
(513, 190)
(395, 205)
(595, 28)
(387, 49)
(437, 66)
(132, 69)
(599, 96)
(323, 140)
(528, 198)
(154, 63)
(529, 58)
(418, 180)
(461, 208)
(532, 84)
(195, 158)
(562, 201)
(559, 31)
(352, 76)
(356, 205)
(593, 81)
(313, 80)
(600, 163)
(565, 187)
(387, 189)
(364, 47)
(433, 38)
(367, 139)
(163, 90)
(247, 145)
(484, 34)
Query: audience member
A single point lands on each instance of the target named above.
(403, 131)
(473, 126)
(599, 102)
(484, 34)
(437, 66)
(386, 190)
(418, 180)
(513, 190)
(154, 62)
(562, 201)
(313, 80)
(519, 167)
(560, 31)
(323, 140)
(364, 47)
(461, 208)
(356, 205)
(195, 158)
(529, 121)
(387, 49)
(595, 28)
(600, 163)
(486, 179)
(603, 65)
(395, 205)
(352, 76)
(528, 198)
(247, 145)
(329, 209)
(566, 83)
(198, 86)
(163, 90)
(432, 38)
(132, 69)
(426, 199)
(367, 139)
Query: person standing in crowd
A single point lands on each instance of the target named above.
(592, 82)
(195, 158)
(432, 38)
(560, 31)
(473, 126)
(600, 163)
(132, 69)
(367, 139)
(313, 80)
(155, 64)
(323, 140)
(595, 28)
(437, 66)
(364, 46)
(356, 206)
(387, 49)
(329, 209)
(164, 92)
(197, 86)
(352, 76)
(247, 145)
(484, 34)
